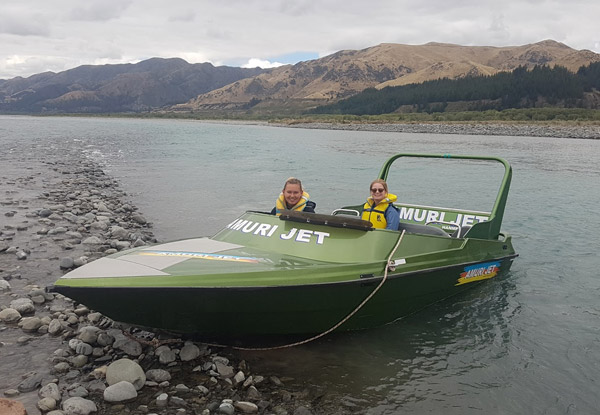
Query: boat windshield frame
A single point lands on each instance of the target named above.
(489, 229)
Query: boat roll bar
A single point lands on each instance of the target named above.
(489, 229)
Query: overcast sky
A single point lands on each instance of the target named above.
(56, 35)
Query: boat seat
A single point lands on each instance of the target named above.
(422, 229)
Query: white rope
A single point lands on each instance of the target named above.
(353, 312)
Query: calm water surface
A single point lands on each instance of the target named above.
(525, 343)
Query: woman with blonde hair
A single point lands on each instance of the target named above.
(379, 208)
(293, 197)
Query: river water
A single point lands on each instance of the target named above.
(524, 343)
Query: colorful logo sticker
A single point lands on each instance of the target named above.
(201, 255)
(479, 272)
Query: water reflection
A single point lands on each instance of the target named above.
(424, 362)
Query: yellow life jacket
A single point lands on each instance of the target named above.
(280, 204)
(376, 214)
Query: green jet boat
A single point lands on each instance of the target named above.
(301, 273)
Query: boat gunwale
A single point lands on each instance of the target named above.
(360, 280)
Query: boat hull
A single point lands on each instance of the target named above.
(237, 312)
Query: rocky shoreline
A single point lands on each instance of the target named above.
(61, 358)
(586, 131)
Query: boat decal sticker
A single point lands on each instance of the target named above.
(268, 230)
(421, 215)
(202, 255)
(305, 235)
(479, 272)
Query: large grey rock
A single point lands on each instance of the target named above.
(128, 370)
(120, 392)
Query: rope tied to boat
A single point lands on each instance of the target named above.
(388, 266)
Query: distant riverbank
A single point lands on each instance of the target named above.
(566, 130)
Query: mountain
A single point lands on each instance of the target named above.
(176, 85)
(147, 85)
(348, 72)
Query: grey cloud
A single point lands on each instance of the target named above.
(23, 25)
(99, 10)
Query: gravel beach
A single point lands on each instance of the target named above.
(59, 210)
(588, 131)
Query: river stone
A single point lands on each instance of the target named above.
(118, 232)
(44, 213)
(105, 339)
(10, 315)
(128, 370)
(158, 375)
(78, 390)
(11, 393)
(189, 352)
(120, 392)
(302, 410)
(62, 367)
(84, 349)
(80, 360)
(88, 334)
(79, 406)
(129, 346)
(30, 324)
(246, 407)
(92, 240)
(4, 285)
(82, 260)
(167, 357)
(239, 378)
(31, 383)
(23, 305)
(178, 402)
(224, 371)
(136, 217)
(226, 408)
(162, 400)
(46, 404)
(122, 245)
(66, 263)
(55, 327)
(50, 391)
(253, 393)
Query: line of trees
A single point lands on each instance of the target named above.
(521, 88)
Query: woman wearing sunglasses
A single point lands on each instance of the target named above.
(293, 197)
(379, 209)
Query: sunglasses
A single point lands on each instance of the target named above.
(378, 190)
